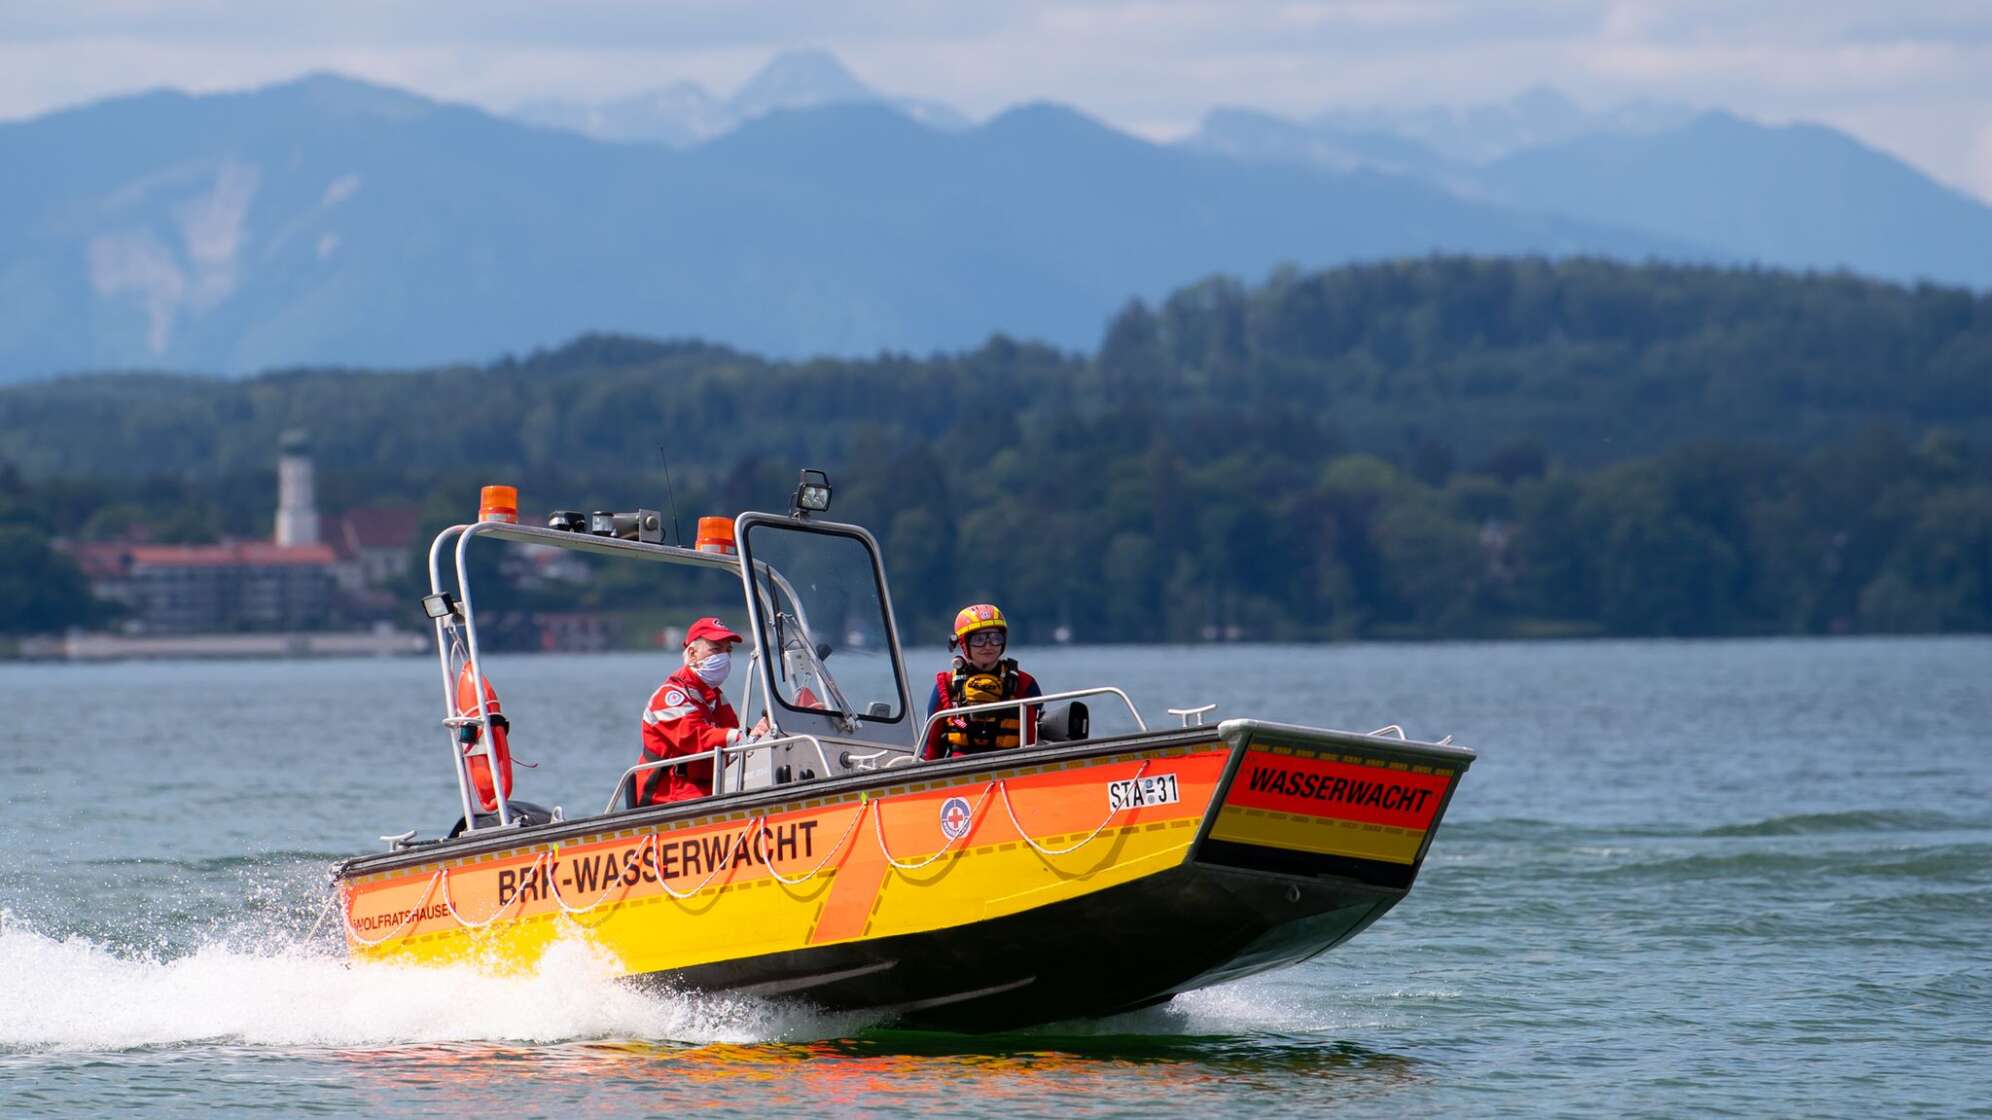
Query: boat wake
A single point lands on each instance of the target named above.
(247, 986)
(76, 994)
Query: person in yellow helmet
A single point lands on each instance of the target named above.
(980, 674)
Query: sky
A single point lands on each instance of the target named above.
(1911, 77)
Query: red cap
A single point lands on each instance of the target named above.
(711, 629)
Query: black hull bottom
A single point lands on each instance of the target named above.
(1115, 950)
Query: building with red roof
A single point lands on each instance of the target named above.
(374, 544)
(236, 585)
(289, 583)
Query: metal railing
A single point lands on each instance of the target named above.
(717, 756)
(870, 761)
(1197, 713)
(1023, 704)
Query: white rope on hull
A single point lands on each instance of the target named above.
(653, 843)
(878, 829)
(1090, 837)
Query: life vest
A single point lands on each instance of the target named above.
(469, 735)
(966, 685)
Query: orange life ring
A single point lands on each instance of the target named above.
(480, 767)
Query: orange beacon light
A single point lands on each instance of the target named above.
(498, 503)
(716, 535)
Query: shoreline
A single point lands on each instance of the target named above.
(286, 644)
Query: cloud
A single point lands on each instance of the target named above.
(1981, 165)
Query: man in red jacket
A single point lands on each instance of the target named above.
(688, 715)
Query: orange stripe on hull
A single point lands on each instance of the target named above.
(853, 894)
(846, 850)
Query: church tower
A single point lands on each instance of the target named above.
(297, 506)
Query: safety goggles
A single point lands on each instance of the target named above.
(986, 639)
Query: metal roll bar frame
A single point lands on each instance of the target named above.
(448, 638)
(446, 627)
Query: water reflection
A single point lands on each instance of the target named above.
(900, 1072)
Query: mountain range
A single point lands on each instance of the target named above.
(330, 221)
(684, 113)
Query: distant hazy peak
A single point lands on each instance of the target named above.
(679, 114)
(1534, 117)
(799, 79)
(1049, 116)
(685, 113)
(341, 94)
(1256, 136)
(1643, 116)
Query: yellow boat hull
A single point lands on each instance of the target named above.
(979, 893)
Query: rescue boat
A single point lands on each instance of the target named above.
(1073, 877)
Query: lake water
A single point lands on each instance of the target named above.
(1684, 878)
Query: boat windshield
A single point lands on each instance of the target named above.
(823, 619)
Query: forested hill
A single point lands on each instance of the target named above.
(1435, 447)
(1447, 358)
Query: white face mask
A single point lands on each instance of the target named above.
(715, 669)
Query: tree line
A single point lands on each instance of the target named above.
(1443, 447)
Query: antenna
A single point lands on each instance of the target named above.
(670, 500)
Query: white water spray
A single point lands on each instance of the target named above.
(74, 994)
